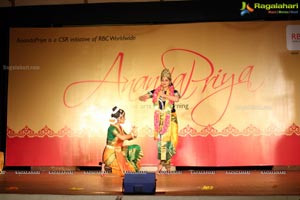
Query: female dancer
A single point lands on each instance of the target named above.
(119, 158)
(165, 119)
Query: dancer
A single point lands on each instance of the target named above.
(119, 158)
(165, 118)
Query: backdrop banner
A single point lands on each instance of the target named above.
(238, 81)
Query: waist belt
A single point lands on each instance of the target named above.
(114, 148)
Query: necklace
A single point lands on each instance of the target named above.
(162, 117)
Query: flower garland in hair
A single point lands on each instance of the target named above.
(114, 120)
(162, 117)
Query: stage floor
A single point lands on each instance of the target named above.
(182, 183)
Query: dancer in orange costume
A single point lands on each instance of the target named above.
(119, 158)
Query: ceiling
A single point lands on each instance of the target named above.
(13, 3)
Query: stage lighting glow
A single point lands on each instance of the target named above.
(92, 120)
(127, 126)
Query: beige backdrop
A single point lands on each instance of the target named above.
(233, 74)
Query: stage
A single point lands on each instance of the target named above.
(186, 184)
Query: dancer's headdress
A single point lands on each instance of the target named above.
(116, 113)
(166, 73)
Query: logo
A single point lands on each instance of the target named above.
(270, 8)
(246, 9)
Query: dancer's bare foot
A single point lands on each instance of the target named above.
(168, 169)
(159, 168)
